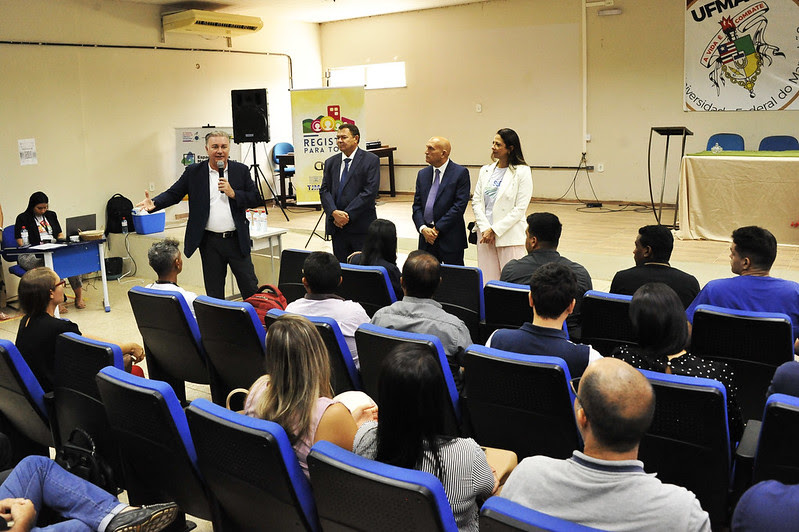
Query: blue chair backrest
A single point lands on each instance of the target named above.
(688, 443)
(779, 143)
(522, 403)
(375, 343)
(368, 285)
(234, 341)
(251, 468)
(507, 306)
(344, 375)
(290, 280)
(354, 493)
(606, 321)
(461, 294)
(779, 439)
(22, 398)
(728, 141)
(281, 148)
(10, 244)
(155, 442)
(502, 515)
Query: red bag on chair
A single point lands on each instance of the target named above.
(267, 297)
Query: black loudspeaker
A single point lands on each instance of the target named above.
(250, 117)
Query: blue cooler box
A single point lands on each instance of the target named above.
(149, 223)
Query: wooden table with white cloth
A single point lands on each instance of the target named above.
(721, 192)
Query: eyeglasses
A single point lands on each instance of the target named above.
(62, 282)
(573, 383)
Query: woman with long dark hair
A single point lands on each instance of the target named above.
(658, 316)
(380, 249)
(42, 226)
(501, 196)
(410, 433)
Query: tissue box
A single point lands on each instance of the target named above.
(149, 223)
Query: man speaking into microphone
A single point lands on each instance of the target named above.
(220, 192)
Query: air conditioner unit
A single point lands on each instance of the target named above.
(211, 23)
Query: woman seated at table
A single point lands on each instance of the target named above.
(40, 291)
(43, 227)
(658, 317)
(295, 392)
(380, 249)
(410, 433)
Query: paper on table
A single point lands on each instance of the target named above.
(46, 247)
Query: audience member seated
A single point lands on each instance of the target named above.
(419, 313)
(658, 318)
(165, 258)
(652, 252)
(3, 315)
(40, 291)
(380, 249)
(543, 235)
(43, 227)
(752, 253)
(321, 275)
(605, 486)
(553, 288)
(786, 379)
(38, 482)
(410, 430)
(767, 506)
(295, 392)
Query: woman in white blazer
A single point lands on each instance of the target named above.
(500, 201)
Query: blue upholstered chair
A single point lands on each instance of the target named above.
(157, 450)
(374, 345)
(507, 306)
(606, 321)
(522, 403)
(282, 148)
(290, 277)
(171, 339)
(344, 375)
(251, 469)
(779, 143)
(354, 493)
(233, 337)
(777, 445)
(688, 443)
(368, 285)
(727, 141)
(501, 515)
(9, 243)
(461, 294)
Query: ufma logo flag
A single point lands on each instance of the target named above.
(741, 55)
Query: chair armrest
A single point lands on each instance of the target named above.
(745, 452)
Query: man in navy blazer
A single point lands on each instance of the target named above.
(348, 192)
(439, 219)
(217, 222)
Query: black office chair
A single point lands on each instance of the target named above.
(522, 403)
(606, 321)
(22, 405)
(507, 306)
(344, 376)
(502, 515)
(233, 338)
(374, 345)
(461, 294)
(171, 339)
(777, 446)
(753, 344)
(157, 451)
(290, 280)
(368, 285)
(77, 400)
(688, 443)
(251, 469)
(354, 493)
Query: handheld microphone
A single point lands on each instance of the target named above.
(220, 165)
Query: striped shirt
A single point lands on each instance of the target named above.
(467, 475)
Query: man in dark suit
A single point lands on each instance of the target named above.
(442, 193)
(348, 192)
(217, 216)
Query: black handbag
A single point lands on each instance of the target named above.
(82, 460)
(472, 230)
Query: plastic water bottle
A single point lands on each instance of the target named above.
(262, 222)
(24, 235)
(716, 148)
(124, 226)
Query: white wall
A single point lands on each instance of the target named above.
(104, 119)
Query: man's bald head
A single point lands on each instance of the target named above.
(437, 150)
(421, 274)
(618, 402)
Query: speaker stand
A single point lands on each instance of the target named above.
(256, 173)
(314, 233)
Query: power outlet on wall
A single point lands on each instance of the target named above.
(600, 167)
(152, 186)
